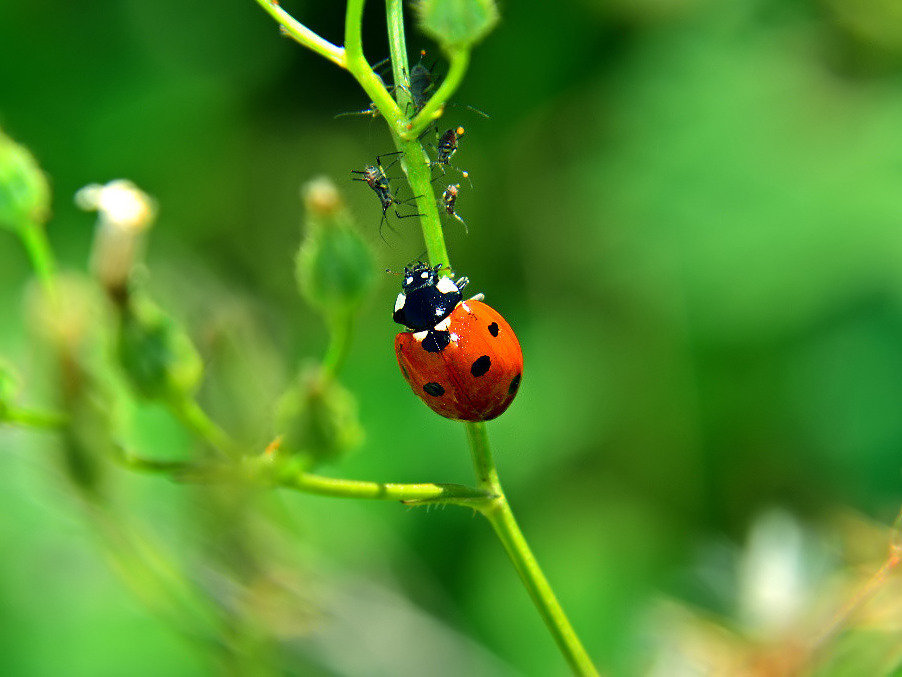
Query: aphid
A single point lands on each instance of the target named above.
(447, 146)
(422, 83)
(449, 198)
(372, 111)
(374, 176)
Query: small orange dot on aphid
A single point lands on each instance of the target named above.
(459, 130)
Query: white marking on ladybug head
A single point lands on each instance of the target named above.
(420, 335)
(399, 302)
(408, 280)
(444, 324)
(446, 286)
(424, 274)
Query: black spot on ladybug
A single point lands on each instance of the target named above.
(515, 384)
(493, 329)
(480, 366)
(436, 341)
(434, 389)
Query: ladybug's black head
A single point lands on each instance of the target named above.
(427, 297)
(419, 276)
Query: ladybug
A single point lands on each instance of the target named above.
(460, 357)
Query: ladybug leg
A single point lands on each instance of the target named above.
(478, 297)
(462, 282)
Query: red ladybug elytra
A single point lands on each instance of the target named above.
(462, 358)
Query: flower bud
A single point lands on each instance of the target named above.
(457, 24)
(157, 355)
(124, 214)
(24, 191)
(317, 417)
(335, 268)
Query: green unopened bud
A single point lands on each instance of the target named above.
(335, 268)
(318, 418)
(457, 24)
(24, 191)
(156, 354)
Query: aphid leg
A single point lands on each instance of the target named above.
(379, 64)
(464, 223)
(406, 216)
(392, 163)
(372, 111)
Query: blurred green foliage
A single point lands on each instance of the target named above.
(25, 195)
(690, 212)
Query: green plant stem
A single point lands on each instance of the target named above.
(358, 66)
(416, 163)
(500, 516)
(341, 326)
(397, 45)
(189, 412)
(134, 462)
(457, 68)
(34, 239)
(30, 418)
(303, 35)
(412, 494)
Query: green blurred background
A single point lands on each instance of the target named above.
(690, 211)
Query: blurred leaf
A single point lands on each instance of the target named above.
(457, 24)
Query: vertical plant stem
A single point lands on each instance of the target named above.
(341, 324)
(416, 162)
(358, 66)
(34, 239)
(397, 45)
(500, 516)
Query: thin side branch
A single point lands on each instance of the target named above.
(295, 29)
(359, 67)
